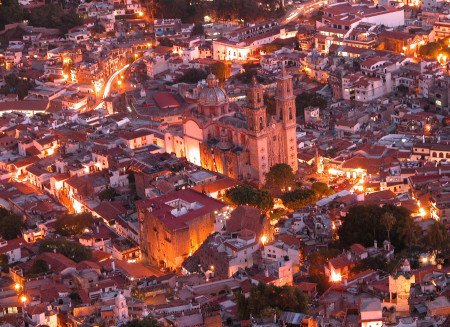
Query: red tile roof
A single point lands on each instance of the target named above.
(165, 100)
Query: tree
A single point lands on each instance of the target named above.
(72, 250)
(299, 198)
(165, 42)
(317, 261)
(265, 299)
(321, 189)
(38, 267)
(198, 29)
(308, 99)
(16, 85)
(10, 12)
(54, 16)
(11, 225)
(73, 224)
(247, 195)
(193, 76)
(108, 194)
(4, 263)
(270, 47)
(375, 263)
(280, 176)
(221, 70)
(437, 238)
(430, 50)
(364, 224)
(388, 221)
(146, 322)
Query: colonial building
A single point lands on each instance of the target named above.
(242, 144)
(173, 226)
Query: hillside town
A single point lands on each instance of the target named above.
(225, 163)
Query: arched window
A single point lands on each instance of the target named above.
(441, 155)
(261, 123)
(290, 114)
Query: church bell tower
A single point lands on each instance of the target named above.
(256, 111)
(285, 114)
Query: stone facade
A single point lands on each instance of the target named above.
(173, 226)
(242, 144)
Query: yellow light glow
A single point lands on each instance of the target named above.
(140, 13)
(422, 212)
(58, 185)
(264, 239)
(77, 207)
(119, 82)
(23, 299)
(65, 76)
(335, 277)
(17, 286)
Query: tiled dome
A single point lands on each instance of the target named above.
(212, 94)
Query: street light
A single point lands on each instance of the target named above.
(23, 299)
(17, 287)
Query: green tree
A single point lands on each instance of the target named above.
(198, 29)
(108, 194)
(192, 76)
(375, 263)
(221, 70)
(247, 195)
(38, 267)
(437, 238)
(388, 221)
(280, 176)
(364, 224)
(270, 47)
(16, 85)
(265, 299)
(145, 322)
(308, 99)
(72, 250)
(321, 189)
(54, 16)
(10, 12)
(299, 198)
(165, 42)
(73, 224)
(11, 225)
(4, 263)
(430, 50)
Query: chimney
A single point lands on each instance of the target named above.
(349, 255)
(266, 272)
(345, 282)
(113, 265)
(375, 244)
(98, 229)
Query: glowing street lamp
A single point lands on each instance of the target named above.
(23, 299)
(17, 287)
(264, 239)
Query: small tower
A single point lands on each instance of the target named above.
(256, 111)
(120, 307)
(285, 99)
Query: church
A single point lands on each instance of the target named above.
(243, 143)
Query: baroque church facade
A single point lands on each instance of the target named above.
(243, 143)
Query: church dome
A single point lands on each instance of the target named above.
(212, 94)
